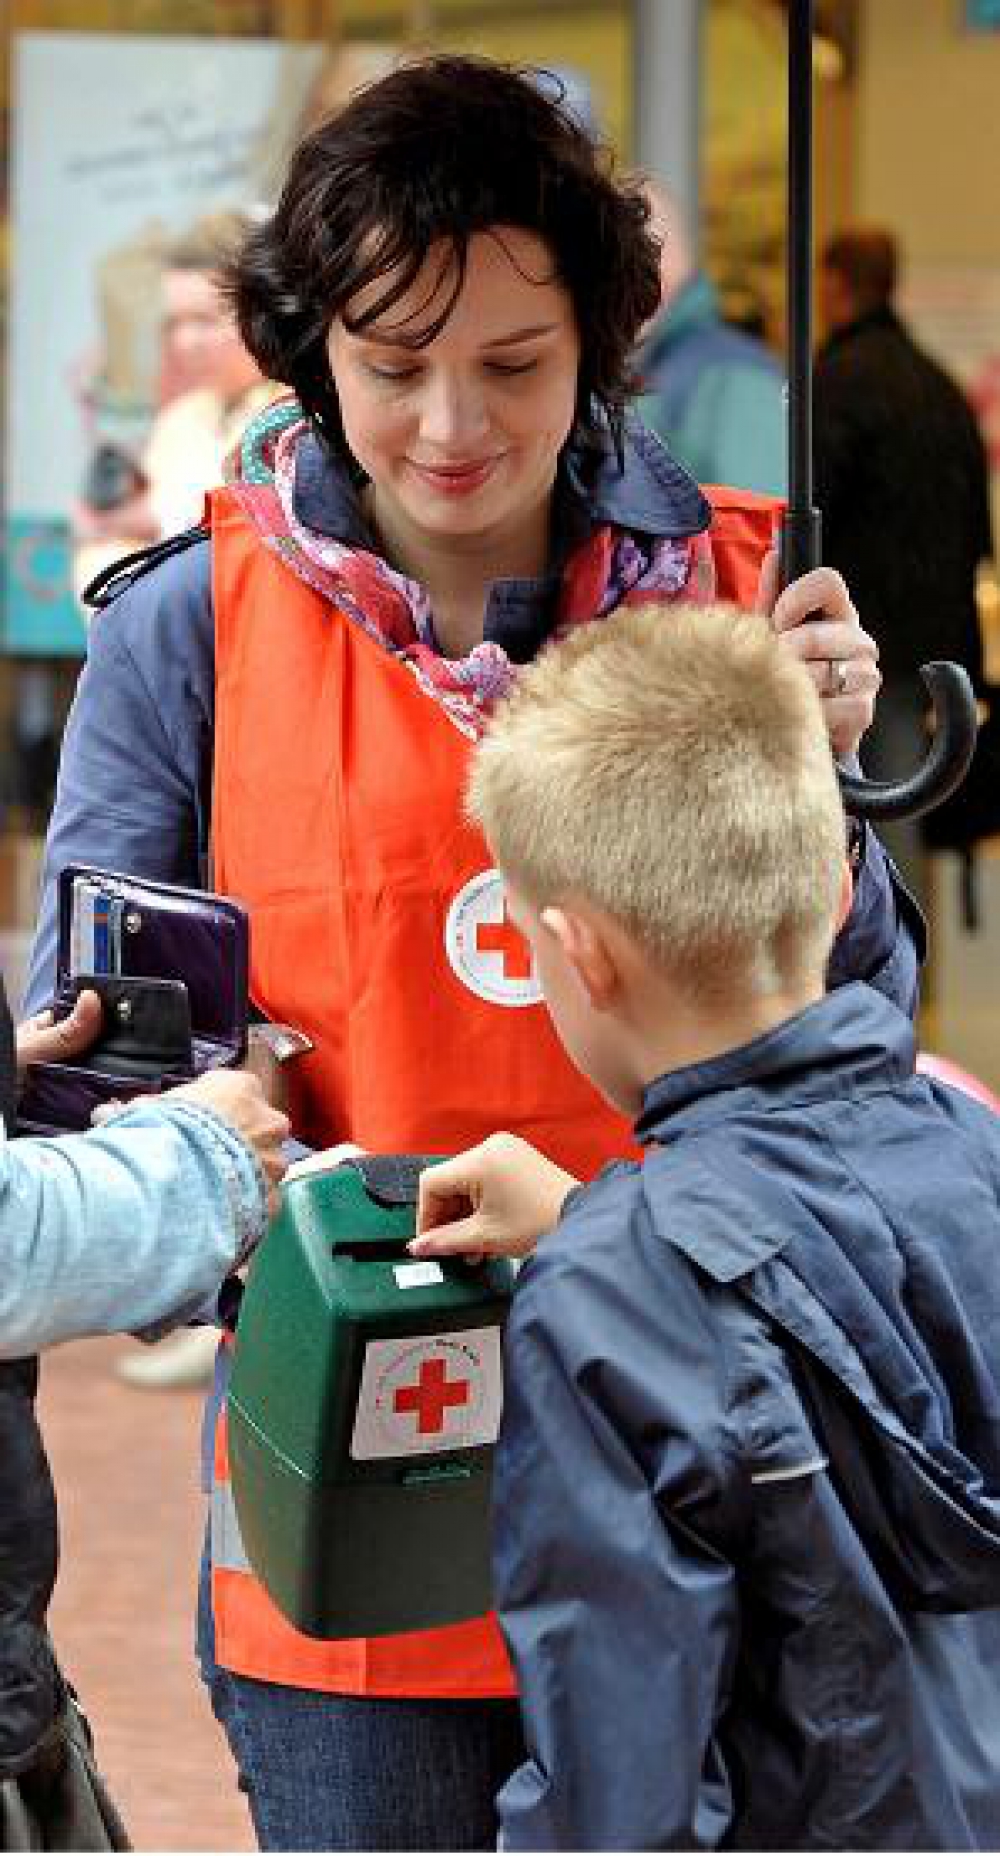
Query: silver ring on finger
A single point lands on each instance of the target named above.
(836, 676)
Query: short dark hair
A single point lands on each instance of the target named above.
(440, 149)
(867, 258)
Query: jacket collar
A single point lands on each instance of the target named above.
(648, 494)
(852, 1041)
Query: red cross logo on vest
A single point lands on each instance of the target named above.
(485, 950)
(503, 938)
(431, 1396)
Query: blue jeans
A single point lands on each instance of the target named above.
(346, 1772)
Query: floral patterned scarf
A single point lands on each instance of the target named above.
(608, 569)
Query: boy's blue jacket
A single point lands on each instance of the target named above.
(748, 1481)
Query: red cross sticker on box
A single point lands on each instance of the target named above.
(433, 1392)
(431, 1397)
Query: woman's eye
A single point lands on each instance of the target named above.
(392, 373)
(512, 367)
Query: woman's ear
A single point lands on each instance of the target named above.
(587, 950)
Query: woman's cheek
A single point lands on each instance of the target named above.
(375, 436)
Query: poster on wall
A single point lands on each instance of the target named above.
(125, 149)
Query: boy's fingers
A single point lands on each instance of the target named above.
(464, 1238)
(444, 1195)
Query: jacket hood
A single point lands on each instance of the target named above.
(884, 1283)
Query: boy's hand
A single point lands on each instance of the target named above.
(496, 1200)
(817, 622)
(40, 1040)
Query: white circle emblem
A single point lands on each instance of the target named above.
(484, 948)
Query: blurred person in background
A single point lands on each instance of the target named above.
(220, 385)
(713, 393)
(209, 389)
(902, 480)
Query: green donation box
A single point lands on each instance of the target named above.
(364, 1406)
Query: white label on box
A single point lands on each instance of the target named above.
(417, 1275)
(429, 1393)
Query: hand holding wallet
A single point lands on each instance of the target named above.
(175, 1006)
(147, 1025)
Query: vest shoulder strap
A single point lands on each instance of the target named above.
(119, 575)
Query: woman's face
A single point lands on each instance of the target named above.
(462, 437)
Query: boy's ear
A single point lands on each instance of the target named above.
(587, 952)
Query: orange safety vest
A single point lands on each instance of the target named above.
(378, 928)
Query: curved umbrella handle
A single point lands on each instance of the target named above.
(956, 725)
(955, 718)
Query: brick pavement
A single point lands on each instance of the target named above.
(125, 1464)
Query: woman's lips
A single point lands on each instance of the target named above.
(455, 479)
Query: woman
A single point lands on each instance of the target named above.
(450, 284)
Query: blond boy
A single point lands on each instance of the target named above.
(748, 1481)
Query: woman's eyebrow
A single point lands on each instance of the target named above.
(398, 338)
(375, 337)
(522, 335)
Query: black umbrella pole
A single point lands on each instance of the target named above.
(801, 528)
(801, 537)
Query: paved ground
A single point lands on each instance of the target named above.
(125, 1463)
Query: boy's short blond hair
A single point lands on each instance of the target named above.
(671, 765)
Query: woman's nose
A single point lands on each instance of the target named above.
(453, 410)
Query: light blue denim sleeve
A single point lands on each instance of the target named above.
(132, 1225)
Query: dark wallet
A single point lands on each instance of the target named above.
(176, 1006)
(147, 1025)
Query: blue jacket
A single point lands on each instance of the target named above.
(748, 1481)
(135, 780)
(715, 395)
